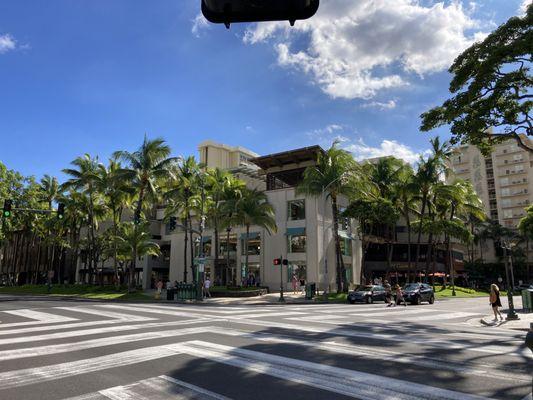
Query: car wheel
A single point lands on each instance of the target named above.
(352, 301)
(369, 300)
(417, 300)
(432, 300)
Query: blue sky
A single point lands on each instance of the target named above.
(93, 77)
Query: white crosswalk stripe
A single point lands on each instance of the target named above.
(160, 388)
(160, 332)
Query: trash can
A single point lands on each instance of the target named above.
(310, 291)
(527, 300)
(170, 294)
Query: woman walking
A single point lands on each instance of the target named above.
(294, 282)
(399, 296)
(495, 302)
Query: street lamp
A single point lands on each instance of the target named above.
(511, 314)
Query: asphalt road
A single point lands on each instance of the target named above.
(97, 351)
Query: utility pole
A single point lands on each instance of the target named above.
(511, 314)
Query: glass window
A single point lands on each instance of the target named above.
(296, 210)
(507, 213)
(254, 245)
(297, 243)
(298, 268)
(223, 245)
(506, 192)
(349, 273)
(504, 181)
(346, 246)
(506, 202)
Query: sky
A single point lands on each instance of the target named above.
(93, 77)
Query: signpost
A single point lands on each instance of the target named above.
(281, 262)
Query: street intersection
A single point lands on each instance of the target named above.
(96, 350)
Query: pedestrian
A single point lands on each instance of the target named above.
(388, 293)
(399, 296)
(294, 282)
(207, 285)
(495, 301)
(302, 285)
(159, 286)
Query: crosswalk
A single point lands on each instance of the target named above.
(149, 351)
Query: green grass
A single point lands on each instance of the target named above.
(81, 291)
(441, 293)
(335, 297)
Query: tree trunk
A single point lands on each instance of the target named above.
(424, 201)
(227, 256)
(408, 222)
(185, 266)
(339, 263)
(246, 250)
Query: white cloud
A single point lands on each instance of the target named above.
(523, 6)
(357, 48)
(389, 105)
(362, 151)
(199, 23)
(7, 43)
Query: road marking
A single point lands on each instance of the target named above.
(347, 382)
(326, 345)
(39, 351)
(427, 341)
(96, 331)
(160, 388)
(38, 317)
(58, 327)
(30, 376)
(107, 314)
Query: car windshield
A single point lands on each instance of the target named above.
(411, 287)
(364, 288)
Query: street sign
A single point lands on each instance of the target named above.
(201, 267)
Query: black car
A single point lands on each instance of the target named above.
(416, 293)
(367, 294)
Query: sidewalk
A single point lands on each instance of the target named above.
(523, 324)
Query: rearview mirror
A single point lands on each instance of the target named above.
(229, 11)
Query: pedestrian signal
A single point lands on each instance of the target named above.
(60, 211)
(7, 208)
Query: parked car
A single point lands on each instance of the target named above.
(367, 294)
(523, 286)
(416, 293)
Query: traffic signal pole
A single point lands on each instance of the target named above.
(281, 298)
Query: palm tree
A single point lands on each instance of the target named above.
(405, 196)
(253, 208)
(331, 176)
(116, 191)
(185, 198)
(148, 168)
(134, 243)
(222, 187)
(84, 178)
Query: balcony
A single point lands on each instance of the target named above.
(514, 183)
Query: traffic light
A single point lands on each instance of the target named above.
(285, 262)
(60, 211)
(277, 261)
(7, 208)
(231, 11)
(172, 224)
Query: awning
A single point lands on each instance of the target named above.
(345, 235)
(251, 236)
(295, 231)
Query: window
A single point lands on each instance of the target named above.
(504, 181)
(506, 202)
(298, 268)
(506, 192)
(296, 210)
(349, 273)
(346, 246)
(223, 245)
(297, 243)
(254, 244)
(507, 213)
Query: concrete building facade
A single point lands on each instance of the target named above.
(304, 228)
(503, 180)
